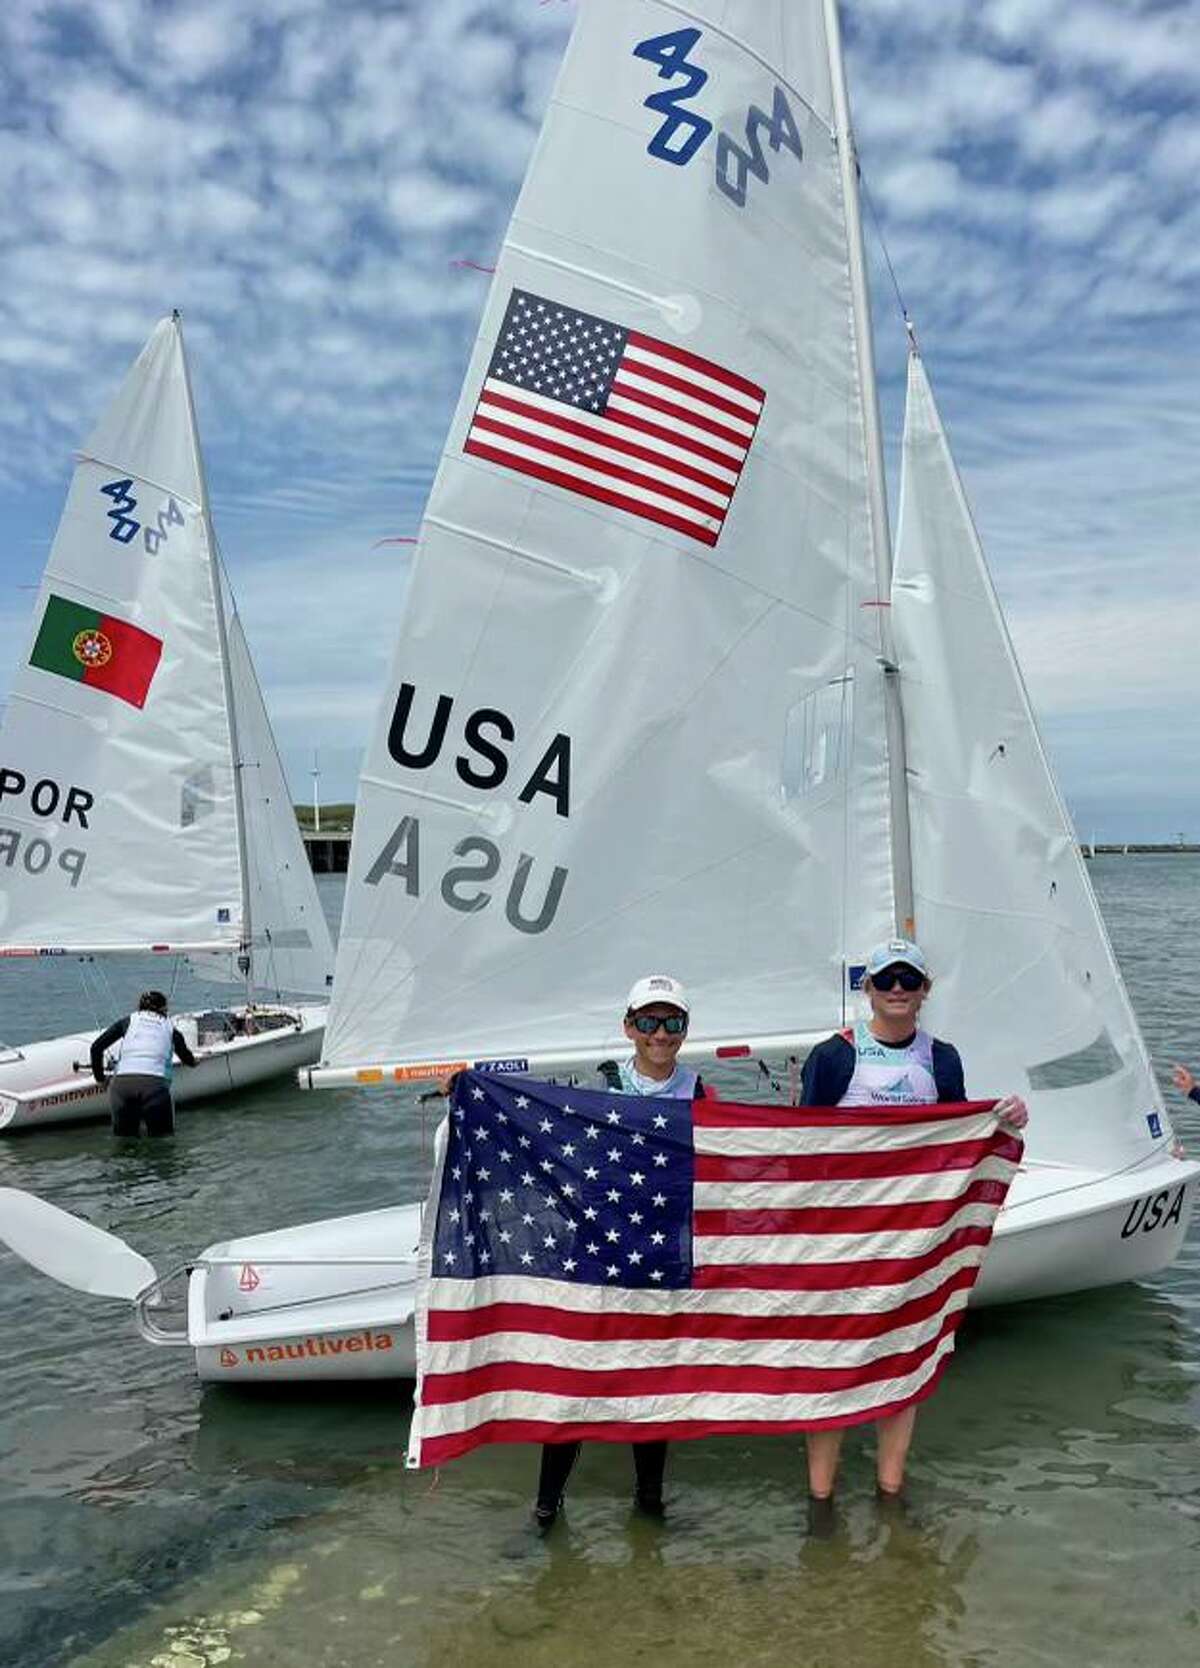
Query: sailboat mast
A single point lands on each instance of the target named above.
(881, 537)
(226, 673)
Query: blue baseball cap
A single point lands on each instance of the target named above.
(897, 952)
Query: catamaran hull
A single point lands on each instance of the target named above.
(253, 1321)
(40, 1087)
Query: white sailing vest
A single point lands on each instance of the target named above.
(681, 1085)
(886, 1076)
(146, 1047)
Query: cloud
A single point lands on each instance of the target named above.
(299, 176)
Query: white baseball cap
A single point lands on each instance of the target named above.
(657, 987)
(900, 952)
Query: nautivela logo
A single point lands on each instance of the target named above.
(98, 649)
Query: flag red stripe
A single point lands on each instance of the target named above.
(833, 1277)
(644, 425)
(681, 356)
(638, 367)
(602, 466)
(715, 1114)
(682, 415)
(436, 1450)
(601, 437)
(448, 1326)
(849, 1219)
(851, 1166)
(558, 477)
(540, 1378)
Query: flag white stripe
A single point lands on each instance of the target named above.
(927, 1186)
(796, 1250)
(597, 449)
(743, 1406)
(683, 430)
(752, 403)
(629, 383)
(602, 426)
(588, 1299)
(598, 477)
(793, 1139)
(545, 1349)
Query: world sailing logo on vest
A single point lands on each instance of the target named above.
(483, 764)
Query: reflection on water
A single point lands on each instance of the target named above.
(147, 1524)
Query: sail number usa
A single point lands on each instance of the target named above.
(473, 867)
(738, 158)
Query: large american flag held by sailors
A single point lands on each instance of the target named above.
(616, 416)
(615, 1268)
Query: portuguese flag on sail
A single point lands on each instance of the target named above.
(97, 649)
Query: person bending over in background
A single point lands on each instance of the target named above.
(140, 1089)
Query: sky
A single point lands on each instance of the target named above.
(309, 181)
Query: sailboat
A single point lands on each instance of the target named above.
(660, 700)
(143, 806)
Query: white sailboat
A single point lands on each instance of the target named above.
(143, 807)
(658, 701)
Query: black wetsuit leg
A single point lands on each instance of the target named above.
(558, 1461)
(135, 1098)
(649, 1467)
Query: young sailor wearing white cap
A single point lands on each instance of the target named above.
(656, 1023)
(886, 1060)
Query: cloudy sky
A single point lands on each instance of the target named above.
(305, 179)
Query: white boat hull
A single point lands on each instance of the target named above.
(47, 1083)
(258, 1313)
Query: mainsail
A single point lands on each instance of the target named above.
(1026, 981)
(118, 815)
(636, 717)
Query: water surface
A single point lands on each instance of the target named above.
(144, 1521)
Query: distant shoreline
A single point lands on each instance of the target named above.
(337, 821)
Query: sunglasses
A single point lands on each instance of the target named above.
(647, 1024)
(906, 977)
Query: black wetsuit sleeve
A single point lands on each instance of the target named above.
(825, 1075)
(182, 1051)
(1194, 1094)
(105, 1040)
(948, 1072)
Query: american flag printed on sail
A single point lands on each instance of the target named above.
(615, 1268)
(615, 415)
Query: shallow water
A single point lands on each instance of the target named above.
(1056, 1484)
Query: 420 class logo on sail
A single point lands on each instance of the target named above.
(684, 131)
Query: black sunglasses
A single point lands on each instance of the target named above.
(906, 977)
(647, 1024)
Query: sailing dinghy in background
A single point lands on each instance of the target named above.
(657, 701)
(143, 806)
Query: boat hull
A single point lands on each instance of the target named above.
(257, 1314)
(40, 1085)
